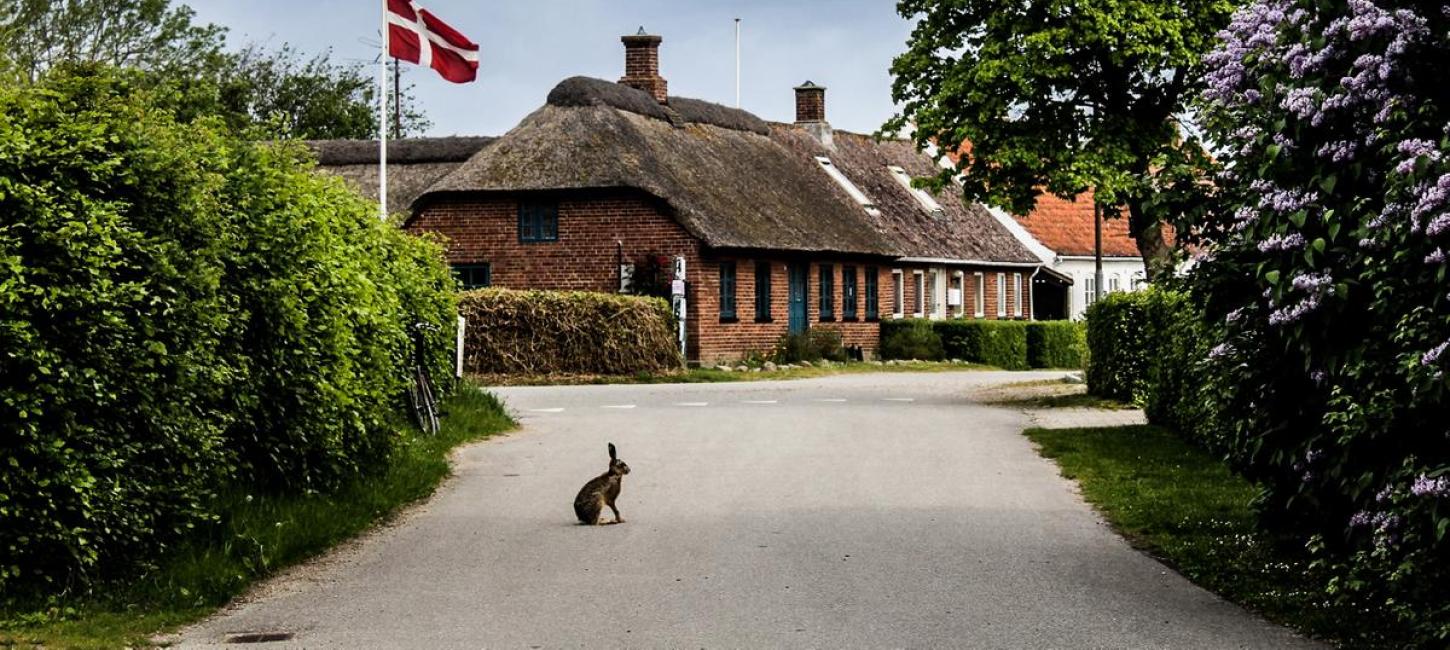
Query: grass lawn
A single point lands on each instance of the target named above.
(1184, 507)
(257, 537)
(1049, 394)
(711, 375)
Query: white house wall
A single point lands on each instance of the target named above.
(1128, 271)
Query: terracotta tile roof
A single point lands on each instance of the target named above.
(1066, 227)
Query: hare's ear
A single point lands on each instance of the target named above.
(611, 451)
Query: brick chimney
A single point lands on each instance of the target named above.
(642, 65)
(810, 103)
(810, 113)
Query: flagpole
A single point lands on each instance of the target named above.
(383, 118)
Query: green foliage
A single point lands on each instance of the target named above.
(1056, 344)
(814, 344)
(1120, 346)
(567, 332)
(998, 343)
(181, 309)
(1062, 97)
(184, 63)
(911, 338)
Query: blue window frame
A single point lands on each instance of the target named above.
(727, 292)
(848, 293)
(828, 292)
(873, 303)
(472, 276)
(538, 221)
(762, 292)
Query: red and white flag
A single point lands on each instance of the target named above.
(417, 36)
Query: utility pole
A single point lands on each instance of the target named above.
(1097, 249)
(397, 100)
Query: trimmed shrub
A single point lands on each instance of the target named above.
(180, 310)
(1118, 344)
(1056, 344)
(910, 339)
(814, 344)
(998, 343)
(567, 332)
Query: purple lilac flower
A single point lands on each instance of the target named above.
(1384, 494)
(1302, 102)
(1424, 486)
(1360, 519)
(1338, 151)
(1220, 351)
(1318, 377)
(1313, 455)
(1439, 225)
(1290, 242)
(1429, 358)
(1413, 150)
(1431, 197)
(1296, 311)
(1436, 257)
(1312, 281)
(1237, 316)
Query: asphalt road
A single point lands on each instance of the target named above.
(882, 510)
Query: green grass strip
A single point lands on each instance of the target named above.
(1183, 506)
(257, 536)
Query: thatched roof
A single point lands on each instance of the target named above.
(413, 163)
(732, 179)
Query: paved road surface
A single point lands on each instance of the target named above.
(882, 510)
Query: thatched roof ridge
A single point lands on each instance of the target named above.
(588, 91)
(730, 188)
(454, 149)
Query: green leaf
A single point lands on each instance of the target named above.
(1327, 183)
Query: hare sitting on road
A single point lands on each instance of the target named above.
(600, 492)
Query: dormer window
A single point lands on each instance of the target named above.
(927, 201)
(846, 184)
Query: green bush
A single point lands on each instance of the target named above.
(1118, 344)
(181, 310)
(567, 332)
(998, 343)
(910, 339)
(1056, 344)
(814, 344)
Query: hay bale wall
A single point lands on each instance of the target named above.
(566, 332)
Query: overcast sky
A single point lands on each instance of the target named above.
(527, 46)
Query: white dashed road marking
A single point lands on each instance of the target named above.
(899, 399)
(618, 406)
(829, 399)
(760, 401)
(557, 410)
(692, 403)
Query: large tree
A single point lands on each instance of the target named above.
(290, 94)
(1063, 96)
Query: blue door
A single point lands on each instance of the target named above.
(798, 275)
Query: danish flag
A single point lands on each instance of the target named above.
(417, 36)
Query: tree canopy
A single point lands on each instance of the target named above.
(1063, 96)
(287, 92)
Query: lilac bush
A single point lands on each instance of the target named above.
(1324, 271)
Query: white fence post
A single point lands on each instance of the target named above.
(458, 363)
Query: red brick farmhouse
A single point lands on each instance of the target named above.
(783, 227)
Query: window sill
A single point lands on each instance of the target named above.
(765, 320)
(848, 319)
(873, 319)
(828, 319)
(729, 319)
(538, 241)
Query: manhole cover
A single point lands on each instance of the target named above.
(259, 637)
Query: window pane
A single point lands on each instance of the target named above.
(762, 291)
(848, 292)
(828, 291)
(873, 300)
(727, 290)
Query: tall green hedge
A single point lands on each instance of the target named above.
(567, 332)
(1000, 343)
(911, 338)
(1119, 346)
(181, 309)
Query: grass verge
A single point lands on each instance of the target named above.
(712, 375)
(1049, 394)
(1184, 507)
(256, 537)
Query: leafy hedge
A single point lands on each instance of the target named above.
(1056, 344)
(1013, 345)
(1119, 346)
(180, 310)
(567, 332)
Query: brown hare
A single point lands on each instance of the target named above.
(600, 492)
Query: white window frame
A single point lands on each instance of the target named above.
(1089, 291)
(960, 279)
(923, 197)
(846, 184)
(1112, 284)
(1017, 296)
(1001, 294)
(980, 299)
(898, 293)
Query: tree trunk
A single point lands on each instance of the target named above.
(1148, 232)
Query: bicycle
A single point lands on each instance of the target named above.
(421, 395)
